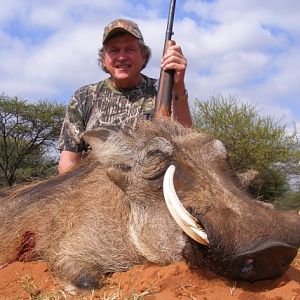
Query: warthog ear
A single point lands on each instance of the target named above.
(110, 147)
(155, 158)
(94, 137)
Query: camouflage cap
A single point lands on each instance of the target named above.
(121, 25)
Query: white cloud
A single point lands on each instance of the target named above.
(9, 9)
(248, 48)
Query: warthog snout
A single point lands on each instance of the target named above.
(269, 260)
(251, 260)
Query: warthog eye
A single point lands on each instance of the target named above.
(248, 266)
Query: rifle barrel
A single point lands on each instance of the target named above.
(164, 97)
(169, 31)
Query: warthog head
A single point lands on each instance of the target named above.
(230, 232)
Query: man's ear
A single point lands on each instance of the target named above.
(103, 61)
(144, 57)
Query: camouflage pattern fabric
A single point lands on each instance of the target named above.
(101, 105)
(122, 24)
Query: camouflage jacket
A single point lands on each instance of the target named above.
(102, 105)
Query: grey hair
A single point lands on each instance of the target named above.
(146, 52)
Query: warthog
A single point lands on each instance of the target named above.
(109, 213)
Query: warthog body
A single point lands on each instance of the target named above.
(109, 213)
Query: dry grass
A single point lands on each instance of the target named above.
(140, 296)
(296, 261)
(35, 293)
(115, 295)
(183, 291)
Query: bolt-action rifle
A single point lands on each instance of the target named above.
(166, 78)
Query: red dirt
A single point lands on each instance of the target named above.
(33, 280)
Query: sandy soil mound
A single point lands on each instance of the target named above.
(34, 281)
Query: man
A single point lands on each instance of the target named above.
(126, 96)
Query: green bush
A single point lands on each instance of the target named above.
(252, 141)
(28, 131)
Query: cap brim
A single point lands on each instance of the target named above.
(118, 29)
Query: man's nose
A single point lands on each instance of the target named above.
(122, 55)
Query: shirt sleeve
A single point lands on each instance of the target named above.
(73, 126)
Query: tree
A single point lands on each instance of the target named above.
(271, 183)
(28, 131)
(252, 141)
(291, 200)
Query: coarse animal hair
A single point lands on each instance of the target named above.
(108, 213)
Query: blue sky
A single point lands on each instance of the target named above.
(249, 49)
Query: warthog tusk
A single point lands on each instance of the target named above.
(182, 217)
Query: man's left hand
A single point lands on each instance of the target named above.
(174, 59)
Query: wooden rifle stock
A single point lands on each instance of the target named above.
(164, 97)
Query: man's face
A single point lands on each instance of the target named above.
(123, 59)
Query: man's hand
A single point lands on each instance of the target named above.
(174, 59)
